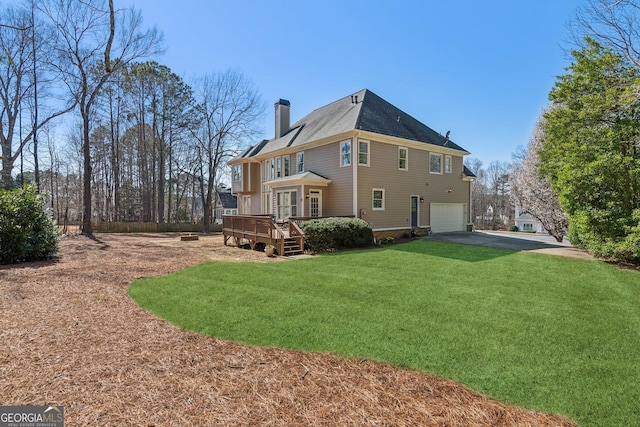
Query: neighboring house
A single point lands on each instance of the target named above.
(227, 204)
(358, 156)
(490, 219)
(527, 222)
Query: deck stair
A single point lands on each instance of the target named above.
(292, 247)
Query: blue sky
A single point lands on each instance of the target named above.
(479, 68)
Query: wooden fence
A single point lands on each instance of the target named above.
(150, 227)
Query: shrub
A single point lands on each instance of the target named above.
(27, 231)
(337, 233)
(514, 228)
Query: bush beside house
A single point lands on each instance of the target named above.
(337, 233)
(27, 231)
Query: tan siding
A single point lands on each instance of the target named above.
(255, 178)
(337, 198)
(246, 184)
(400, 185)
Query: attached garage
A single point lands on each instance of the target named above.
(448, 217)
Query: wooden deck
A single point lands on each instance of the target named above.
(287, 239)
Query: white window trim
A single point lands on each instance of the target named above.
(373, 190)
(286, 165)
(318, 193)
(406, 159)
(237, 173)
(298, 163)
(293, 202)
(246, 205)
(342, 165)
(368, 152)
(448, 159)
(441, 165)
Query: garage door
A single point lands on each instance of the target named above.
(448, 217)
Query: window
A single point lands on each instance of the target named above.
(527, 227)
(402, 158)
(345, 153)
(286, 204)
(447, 164)
(278, 167)
(435, 163)
(378, 199)
(237, 173)
(363, 153)
(272, 168)
(286, 165)
(246, 205)
(300, 161)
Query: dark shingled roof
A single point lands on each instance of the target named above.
(371, 113)
(228, 200)
(467, 172)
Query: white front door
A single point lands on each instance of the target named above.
(315, 203)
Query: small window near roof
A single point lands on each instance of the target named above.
(447, 164)
(286, 165)
(237, 173)
(435, 163)
(300, 162)
(363, 153)
(345, 153)
(403, 153)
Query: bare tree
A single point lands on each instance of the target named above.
(498, 187)
(20, 74)
(532, 192)
(93, 41)
(480, 192)
(614, 24)
(228, 111)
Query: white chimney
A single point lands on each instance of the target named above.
(282, 117)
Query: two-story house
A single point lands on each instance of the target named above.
(358, 156)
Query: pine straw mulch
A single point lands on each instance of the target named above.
(71, 336)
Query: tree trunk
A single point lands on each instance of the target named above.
(86, 151)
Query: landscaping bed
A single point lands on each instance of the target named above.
(70, 335)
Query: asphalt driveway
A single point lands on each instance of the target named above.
(515, 241)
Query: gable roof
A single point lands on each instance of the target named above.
(370, 113)
(467, 172)
(228, 200)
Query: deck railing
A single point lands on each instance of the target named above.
(254, 229)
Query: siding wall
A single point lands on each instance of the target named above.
(382, 172)
(337, 198)
(400, 185)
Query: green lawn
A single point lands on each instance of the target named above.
(549, 333)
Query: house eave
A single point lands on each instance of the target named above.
(409, 143)
(294, 180)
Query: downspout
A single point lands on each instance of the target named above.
(470, 219)
(354, 164)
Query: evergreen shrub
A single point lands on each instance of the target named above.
(27, 231)
(337, 233)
